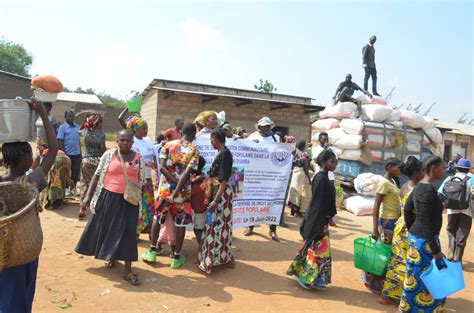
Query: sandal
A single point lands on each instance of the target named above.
(132, 278)
(110, 264)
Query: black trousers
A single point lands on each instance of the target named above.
(459, 226)
(370, 72)
(75, 167)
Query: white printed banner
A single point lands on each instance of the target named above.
(259, 179)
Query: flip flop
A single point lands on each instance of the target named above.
(132, 278)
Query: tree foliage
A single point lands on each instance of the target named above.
(265, 86)
(106, 99)
(14, 58)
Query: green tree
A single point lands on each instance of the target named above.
(265, 86)
(106, 99)
(14, 58)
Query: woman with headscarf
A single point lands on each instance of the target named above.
(240, 132)
(216, 241)
(206, 121)
(141, 143)
(94, 140)
(299, 178)
(18, 283)
(312, 264)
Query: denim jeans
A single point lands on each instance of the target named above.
(370, 71)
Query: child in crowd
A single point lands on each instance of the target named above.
(198, 185)
(167, 236)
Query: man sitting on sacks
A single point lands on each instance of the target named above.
(345, 91)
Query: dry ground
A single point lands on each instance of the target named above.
(257, 284)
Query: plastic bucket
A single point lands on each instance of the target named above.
(134, 103)
(370, 256)
(443, 282)
(17, 121)
(44, 96)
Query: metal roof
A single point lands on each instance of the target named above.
(245, 96)
(78, 97)
(14, 75)
(456, 128)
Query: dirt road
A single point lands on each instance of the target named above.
(73, 283)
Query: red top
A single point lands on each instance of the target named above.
(198, 186)
(114, 180)
(171, 134)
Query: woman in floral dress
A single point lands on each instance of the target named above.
(312, 264)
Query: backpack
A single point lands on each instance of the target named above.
(456, 194)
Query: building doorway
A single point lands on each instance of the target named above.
(281, 131)
(448, 145)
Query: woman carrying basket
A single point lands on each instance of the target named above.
(17, 284)
(110, 234)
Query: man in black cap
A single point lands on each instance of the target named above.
(368, 63)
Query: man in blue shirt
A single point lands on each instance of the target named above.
(69, 142)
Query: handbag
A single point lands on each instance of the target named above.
(133, 191)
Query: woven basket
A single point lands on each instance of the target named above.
(21, 237)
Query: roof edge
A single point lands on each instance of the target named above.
(14, 75)
(158, 81)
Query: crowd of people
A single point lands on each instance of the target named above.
(160, 188)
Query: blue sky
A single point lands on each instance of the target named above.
(424, 48)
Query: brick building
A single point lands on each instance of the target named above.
(457, 138)
(12, 86)
(165, 100)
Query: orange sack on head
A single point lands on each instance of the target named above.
(48, 83)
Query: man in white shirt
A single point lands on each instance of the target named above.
(459, 220)
(264, 134)
(323, 145)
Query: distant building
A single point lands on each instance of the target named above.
(165, 100)
(457, 138)
(79, 102)
(12, 86)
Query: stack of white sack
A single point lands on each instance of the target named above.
(352, 126)
(432, 136)
(324, 125)
(376, 112)
(374, 100)
(335, 134)
(412, 119)
(340, 110)
(376, 127)
(360, 205)
(366, 184)
(349, 142)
